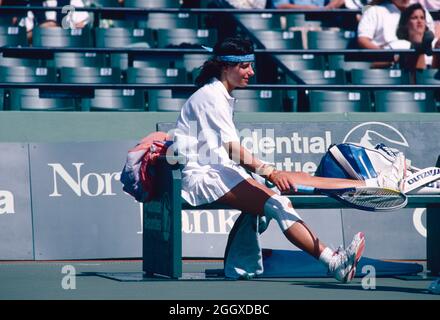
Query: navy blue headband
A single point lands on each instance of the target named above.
(233, 58)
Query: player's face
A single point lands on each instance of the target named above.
(238, 76)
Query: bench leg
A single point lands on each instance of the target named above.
(433, 240)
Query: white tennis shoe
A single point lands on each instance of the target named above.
(343, 263)
(393, 177)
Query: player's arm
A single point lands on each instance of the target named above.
(282, 179)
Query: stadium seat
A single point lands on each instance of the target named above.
(262, 21)
(337, 61)
(279, 39)
(29, 100)
(258, 100)
(105, 3)
(12, 36)
(328, 40)
(428, 76)
(158, 61)
(319, 77)
(156, 75)
(27, 74)
(122, 38)
(90, 75)
(404, 101)
(59, 37)
(302, 62)
(300, 98)
(299, 20)
(339, 101)
(193, 61)
(2, 98)
(167, 99)
(186, 37)
(169, 21)
(19, 62)
(152, 3)
(379, 76)
(77, 59)
(115, 100)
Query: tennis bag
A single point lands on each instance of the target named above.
(353, 161)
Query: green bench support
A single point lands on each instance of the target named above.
(162, 223)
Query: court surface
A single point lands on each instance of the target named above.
(40, 280)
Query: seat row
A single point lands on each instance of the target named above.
(247, 100)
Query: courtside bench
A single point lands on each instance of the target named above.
(162, 219)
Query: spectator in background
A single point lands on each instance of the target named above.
(247, 4)
(412, 29)
(378, 25)
(431, 5)
(53, 19)
(308, 4)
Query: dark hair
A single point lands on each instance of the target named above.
(402, 29)
(230, 46)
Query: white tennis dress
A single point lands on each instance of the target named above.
(204, 125)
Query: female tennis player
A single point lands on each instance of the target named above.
(216, 163)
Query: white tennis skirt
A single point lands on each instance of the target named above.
(206, 184)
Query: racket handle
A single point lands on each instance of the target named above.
(305, 189)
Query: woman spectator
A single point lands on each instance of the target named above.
(412, 29)
(378, 25)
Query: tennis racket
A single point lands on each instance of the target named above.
(362, 198)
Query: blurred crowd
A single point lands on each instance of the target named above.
(384, 24)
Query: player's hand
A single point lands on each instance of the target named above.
(283, 180)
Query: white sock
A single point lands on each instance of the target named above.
(326, 256)
(371, 182)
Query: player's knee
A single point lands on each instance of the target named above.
(280, 208)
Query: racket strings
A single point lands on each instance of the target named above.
(375, 198)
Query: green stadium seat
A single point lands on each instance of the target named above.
(152, 3)
(29, 100)
(300, 97)
(167, 99)
(156, 75)
(428, 76)
(60, 37)
(404, 101)
(258, 100)
(262, 21)
(77, 59)
(169, 21)
(90, 75)
(115, 100)
(27, 74)
(302, 62)
(279, 39)
(337, 61)
(299, 20)
(12, 36)
(379, 76)
(328, 40)
(105, 3)
(339, 101)
(19, 62)
(122, 37)
(2, 98)
(319, 77)
(193, 61)
(179, 37)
